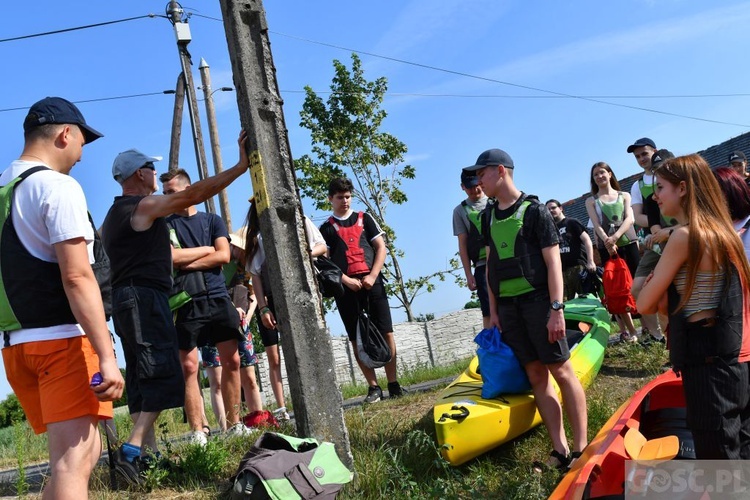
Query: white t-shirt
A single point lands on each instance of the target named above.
(636, 198)
(48, 208)
(314, 238)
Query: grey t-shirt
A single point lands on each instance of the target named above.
(461, 222)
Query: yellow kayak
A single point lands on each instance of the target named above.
(468, 425)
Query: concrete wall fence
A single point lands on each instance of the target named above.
(433, 343)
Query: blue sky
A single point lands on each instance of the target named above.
(634, 48)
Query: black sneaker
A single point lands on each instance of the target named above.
(130, 471)
(649, 340)
(395, 390)
(374, 394)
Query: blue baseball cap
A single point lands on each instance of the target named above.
(127, 162)
(491, 157)
(643, 141)
(58, 110)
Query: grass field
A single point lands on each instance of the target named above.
(393, 443)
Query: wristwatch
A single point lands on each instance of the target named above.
(556, 305)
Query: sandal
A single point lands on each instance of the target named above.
(574, 455)
(562, 463)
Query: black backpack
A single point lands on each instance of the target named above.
(329, 277)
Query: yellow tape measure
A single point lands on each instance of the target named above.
(258, 178)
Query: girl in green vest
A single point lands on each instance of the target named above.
(612, 217)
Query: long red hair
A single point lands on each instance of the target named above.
(710, 225)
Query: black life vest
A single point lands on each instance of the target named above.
(32, 293)
(359, 252)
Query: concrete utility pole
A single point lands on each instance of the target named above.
(179, 102)
(182, 31)
(306, 342)
(213, 135)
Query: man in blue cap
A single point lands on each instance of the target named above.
(58, 353)
(467, 227)
(525, 287)
(136, 238)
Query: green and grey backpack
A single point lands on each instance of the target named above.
(281, 467)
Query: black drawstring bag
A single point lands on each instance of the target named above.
(329, 277)
(372, 349)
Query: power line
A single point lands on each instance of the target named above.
(516, 96)
(553, 94)
(510, 84)
(412, 94)
(66, 30)
(99, 99)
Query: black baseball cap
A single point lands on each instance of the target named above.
(491, 157)
(643, 141)
(469, 179)
(737, 156)
(58, 110)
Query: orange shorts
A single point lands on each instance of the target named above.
(51, 380)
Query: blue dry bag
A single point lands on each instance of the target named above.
(501, 372)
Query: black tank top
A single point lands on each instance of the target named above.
(141, 258)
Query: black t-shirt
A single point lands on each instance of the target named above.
(336, 246)
(572, 252)
(202, 230)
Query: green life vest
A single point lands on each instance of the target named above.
(613, 214)
(474, 242)
(646, 189)
(517, 263)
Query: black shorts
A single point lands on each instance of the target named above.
(374, 301)
(153, 373)
(523, 320)
(269, 336)
(207, 321)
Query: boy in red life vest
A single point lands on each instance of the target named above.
(356, 245)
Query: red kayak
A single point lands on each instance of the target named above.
(651, 425)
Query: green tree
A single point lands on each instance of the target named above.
(11, 411)
(347, 141)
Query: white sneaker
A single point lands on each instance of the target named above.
(281, 414)
(239, 429)
(198, 437)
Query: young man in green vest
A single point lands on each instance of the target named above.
(524, 280)
(641, 194)
(467, 228)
